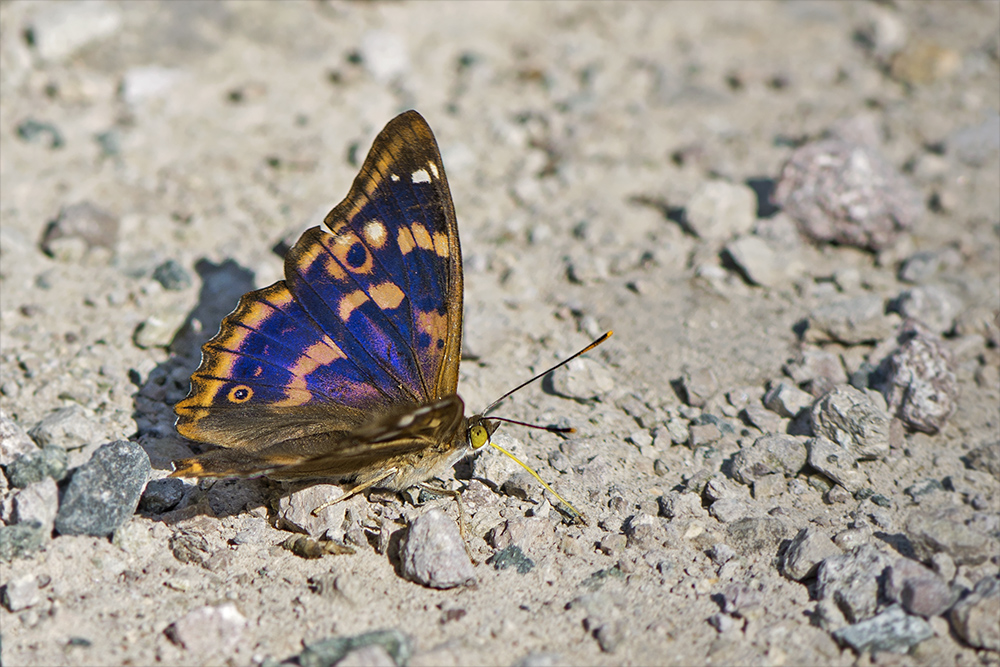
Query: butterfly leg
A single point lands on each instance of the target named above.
(430, 488)
(364, 486)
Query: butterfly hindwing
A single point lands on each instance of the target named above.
(366, 325)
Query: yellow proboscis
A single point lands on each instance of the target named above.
(479, 436)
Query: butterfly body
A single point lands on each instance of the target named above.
(347, 368)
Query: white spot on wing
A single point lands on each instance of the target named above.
(420, 176)
(394, 177)
(434, 169)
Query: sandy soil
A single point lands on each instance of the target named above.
(213, 131)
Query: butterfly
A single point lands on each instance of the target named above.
(348, 368)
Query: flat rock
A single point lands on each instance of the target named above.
(851, 321)
(33, 467)
(295, 511)
(851, 581)
(37, 502)
(893, 630)
(755, 534)
(769, 454)
(209, 631)
(939, 531)
(21, 593)
(14, 441)
(787, 399)
(720, 210)
(105, 491)
(836, 462)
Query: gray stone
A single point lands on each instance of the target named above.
(644, 531)
(986, 459)
(31, 468)
(85, 226)
(860, 319)
(980, 320)
(975, 617)
(720, 210)
(21, 540)
(755, 534)
(675, 505)
(105, 491)
(768, 486)
(699, 384)
(60, 30)
(743, 600)
(836, 462)
(721, 553)
(295, 511)
(14, 442)
(209, 631)
(762, 263)
(806, 551)
(975, 145)
(932, 305)
(161, 329)
(820, 370)
(71, 427)
(918, 380)
(331, 651)
(845, 193)
(37, 502)
(901, 570)
(787, 400)
(851, 419)
(147, 82)
(851, 580)
(727, 510)
(924, 265)
(583, 380)
(162, 495)
(367, 656)
(511, 556)
(769, 454)
(927, 596)
(172, 276)
(893, 630)
(940, 531)
(433, 553)
(21, 593)
(760, 417)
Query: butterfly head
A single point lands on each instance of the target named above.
(480, 430)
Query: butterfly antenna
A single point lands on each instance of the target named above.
(565, 361)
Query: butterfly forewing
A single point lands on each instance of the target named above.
(365, 329)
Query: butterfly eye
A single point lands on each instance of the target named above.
(240, 394)
(478, 436)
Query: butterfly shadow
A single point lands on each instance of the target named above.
(222, 285)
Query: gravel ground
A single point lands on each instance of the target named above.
(788, 212)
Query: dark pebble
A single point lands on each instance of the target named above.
(21, 540)
(172, 276)
(36, 466)
(104, 492)
(162, 495)
(329, 652)
(512, 556)
(33, 131)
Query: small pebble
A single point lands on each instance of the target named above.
(21, 540)
(852, 581)
(860, 319)
(699, 385)
(918, 380)
(104, 492)
(295, 511)
(583, 380)
(769, 454)
(49, 462)
(836, 462)
(974, 618)
(752, 535)
(37, 502)
(762, 263)
(71, 427)
(787, 400)
(893, 630)
(719, 210)
(941, 532)
(209, 631)
(331, 651)
(933, 306)
(433, 553)
(846, 193)
(806, 551)
(14, 442)
(162, 495)
(850, 418)
(84, 222)
(512, 556)
(172, 276)
(21, 593)
(59, 31)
